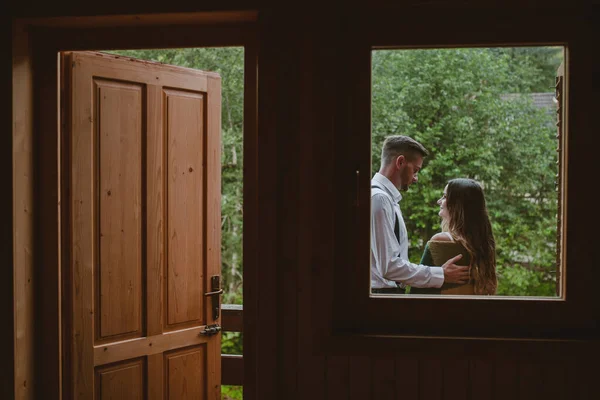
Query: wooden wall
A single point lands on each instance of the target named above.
(308, 81)
(297, 233)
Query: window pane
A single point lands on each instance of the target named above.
(486, 114)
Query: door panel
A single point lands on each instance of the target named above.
(119, 271)
(183, 366)
(144, 232)
(121, 381)
(185, 132)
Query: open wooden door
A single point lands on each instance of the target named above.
(141, 229)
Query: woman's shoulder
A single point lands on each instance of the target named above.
(442, 237)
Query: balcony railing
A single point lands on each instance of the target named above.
(232, 366)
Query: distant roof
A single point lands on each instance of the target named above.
(540, 100)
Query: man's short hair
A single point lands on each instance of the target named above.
(398, 145)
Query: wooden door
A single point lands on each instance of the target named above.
(141, 236)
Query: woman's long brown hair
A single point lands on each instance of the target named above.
(470, 225)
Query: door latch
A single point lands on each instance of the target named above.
(210, 330)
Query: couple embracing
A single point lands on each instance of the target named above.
(459, 260)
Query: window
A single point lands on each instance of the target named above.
(489, 114)
(354, 310)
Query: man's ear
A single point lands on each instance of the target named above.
(400, 160)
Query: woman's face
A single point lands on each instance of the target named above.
(442, 203)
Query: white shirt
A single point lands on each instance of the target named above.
(389, 259)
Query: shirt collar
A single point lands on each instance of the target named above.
(389, 186)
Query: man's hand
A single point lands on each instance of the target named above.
(455, 273)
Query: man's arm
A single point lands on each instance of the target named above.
(452, 273)
(385, 249)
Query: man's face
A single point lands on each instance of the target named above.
(409, 171)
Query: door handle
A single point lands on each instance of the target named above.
(220, 291)
(215, 293)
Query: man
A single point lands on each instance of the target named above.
(401, 160)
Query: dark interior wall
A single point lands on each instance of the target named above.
(61, 8)
(303, 45)
(6, 225)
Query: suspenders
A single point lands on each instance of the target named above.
(396, 223)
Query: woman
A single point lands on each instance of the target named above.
(466, 229)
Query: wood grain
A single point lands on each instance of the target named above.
(120, 268)
(185, 129)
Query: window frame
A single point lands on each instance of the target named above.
(354, 314)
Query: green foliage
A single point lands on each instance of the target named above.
(454, 102)
(231, 392)
(232, 343)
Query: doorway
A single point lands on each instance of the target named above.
(70, 38)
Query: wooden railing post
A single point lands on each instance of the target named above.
(232, 365)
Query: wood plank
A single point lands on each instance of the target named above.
(554, 380)
(481, 374)
(22, 217)
(47, 288)
(456, 382)
(138, 347)
(83, 246)
(360, 378)
(107, 37)
(288, 119)
(530, 379)
(584, 382)
(232, 370)
(430, 379)
(251, 222)
(186, 199)
(119, 304)
(407, 376)
(314, 251)
(338, 378)
(146, 72)
(572, 377)
(384, 378)
(156, 377)
(66, 270)
(261, 295)
(155, 212)
(505, 379)
(140, 20)
(232, 317)
(12, 41)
